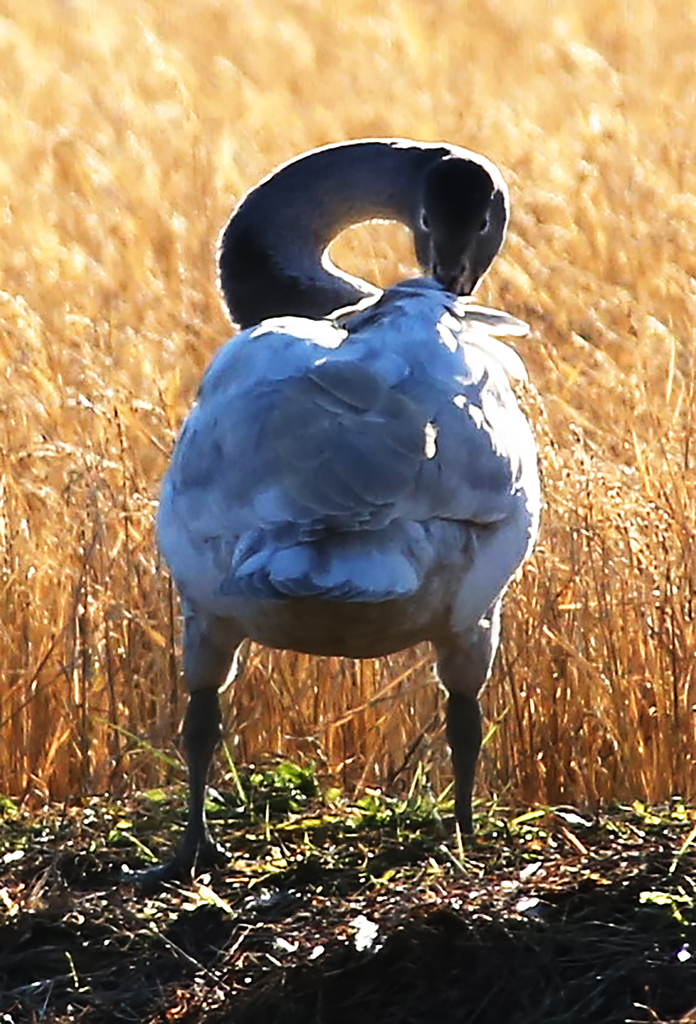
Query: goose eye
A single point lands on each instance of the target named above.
(424, 221)
(483, 226)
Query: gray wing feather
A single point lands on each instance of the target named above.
(341, 435)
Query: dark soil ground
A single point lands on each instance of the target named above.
(337, 914)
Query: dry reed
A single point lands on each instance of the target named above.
(129, 130)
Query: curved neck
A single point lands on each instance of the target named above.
(272, 254)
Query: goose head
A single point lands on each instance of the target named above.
(461, 221)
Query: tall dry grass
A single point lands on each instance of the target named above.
(128, 131)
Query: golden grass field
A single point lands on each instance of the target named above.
(129, 129)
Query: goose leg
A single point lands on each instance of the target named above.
(209, 657)
(463, 667)
(200, 734)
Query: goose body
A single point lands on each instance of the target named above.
(333, 495)
(353, 484)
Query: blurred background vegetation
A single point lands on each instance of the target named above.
(129, 130)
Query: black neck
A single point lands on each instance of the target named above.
(272, 253)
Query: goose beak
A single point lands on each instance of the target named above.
(460, 279)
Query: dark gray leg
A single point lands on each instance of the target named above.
(201, 733)
(463, 666)
(209, 654)
(464, 736)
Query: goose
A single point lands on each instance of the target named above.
(355, 476)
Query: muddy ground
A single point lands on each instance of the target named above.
(337, 913)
